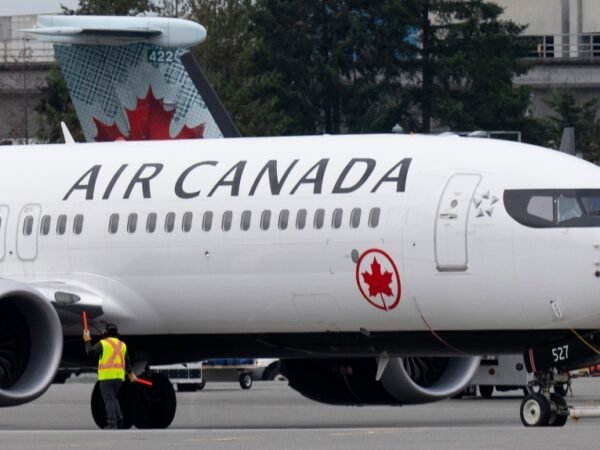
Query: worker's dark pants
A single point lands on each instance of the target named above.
(110, 390)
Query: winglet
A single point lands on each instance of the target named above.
(67, 134)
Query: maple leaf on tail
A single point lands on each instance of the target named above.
(379, 283)
(149, 120)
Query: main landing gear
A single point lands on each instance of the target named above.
(142, 406)
(543, 408)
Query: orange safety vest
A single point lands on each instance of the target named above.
(111, 365)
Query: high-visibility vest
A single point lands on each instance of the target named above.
(111, 365)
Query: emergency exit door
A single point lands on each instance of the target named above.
(451, 240)
(27, 232)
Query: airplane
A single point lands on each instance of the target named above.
(376, 267)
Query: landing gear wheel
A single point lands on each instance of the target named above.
(246, 380)
(535, 410)
(561, 414)
(486, 391)
(153, 406)
(99, 410)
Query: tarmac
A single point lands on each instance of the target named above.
(273, 416)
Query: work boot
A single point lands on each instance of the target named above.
(111, 425)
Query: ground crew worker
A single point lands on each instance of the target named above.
(113, 364)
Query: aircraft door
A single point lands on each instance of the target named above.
(27, 232)
(451, 244)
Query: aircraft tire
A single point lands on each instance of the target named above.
(99, 411)
(535, 410)
(558, 420)
(153, 406)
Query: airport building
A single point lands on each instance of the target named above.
(24, 67)
(567, 55)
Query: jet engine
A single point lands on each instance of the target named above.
(31, 343)
(401, 381)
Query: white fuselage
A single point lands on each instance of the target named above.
(463, 262)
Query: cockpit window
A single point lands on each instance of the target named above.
(552, 208)
(541, 206)
(567, 208)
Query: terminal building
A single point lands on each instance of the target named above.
(567, 55)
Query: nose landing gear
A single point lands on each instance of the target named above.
(543, 408)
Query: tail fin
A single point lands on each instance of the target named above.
(134, 78)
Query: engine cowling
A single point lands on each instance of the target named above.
(31, 343)
(404, 381)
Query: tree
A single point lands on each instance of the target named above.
(322, 66)
(464, 64)
(111, 7)
(582, 117)
(173, 8)
(358, 66)
(55, 107)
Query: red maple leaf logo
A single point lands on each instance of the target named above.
(149, 120)
(379, 283)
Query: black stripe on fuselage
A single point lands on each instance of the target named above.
(165, 349)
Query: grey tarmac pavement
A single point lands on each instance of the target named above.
(271, 415)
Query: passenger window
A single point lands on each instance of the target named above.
(78, 224)
(227, 219)
(319, 218)
(45, 225)
(246, 218)
(28, 226)
(284, 218)
(170, 222)
(207, 221)
(132, 223)
(374, 217)
(113, 223)
(61, 224)
(265, 220)
(151, 223)
(301, 219)
(541, 206)
(336, 218)
(355, 218)
(186, 224)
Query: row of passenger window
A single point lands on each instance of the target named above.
(46, 222)
(227, 220)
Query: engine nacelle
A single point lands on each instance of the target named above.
(31, 343)
(404, 381)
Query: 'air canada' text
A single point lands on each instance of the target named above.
(279, 179)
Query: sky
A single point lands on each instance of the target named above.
(18, 7)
